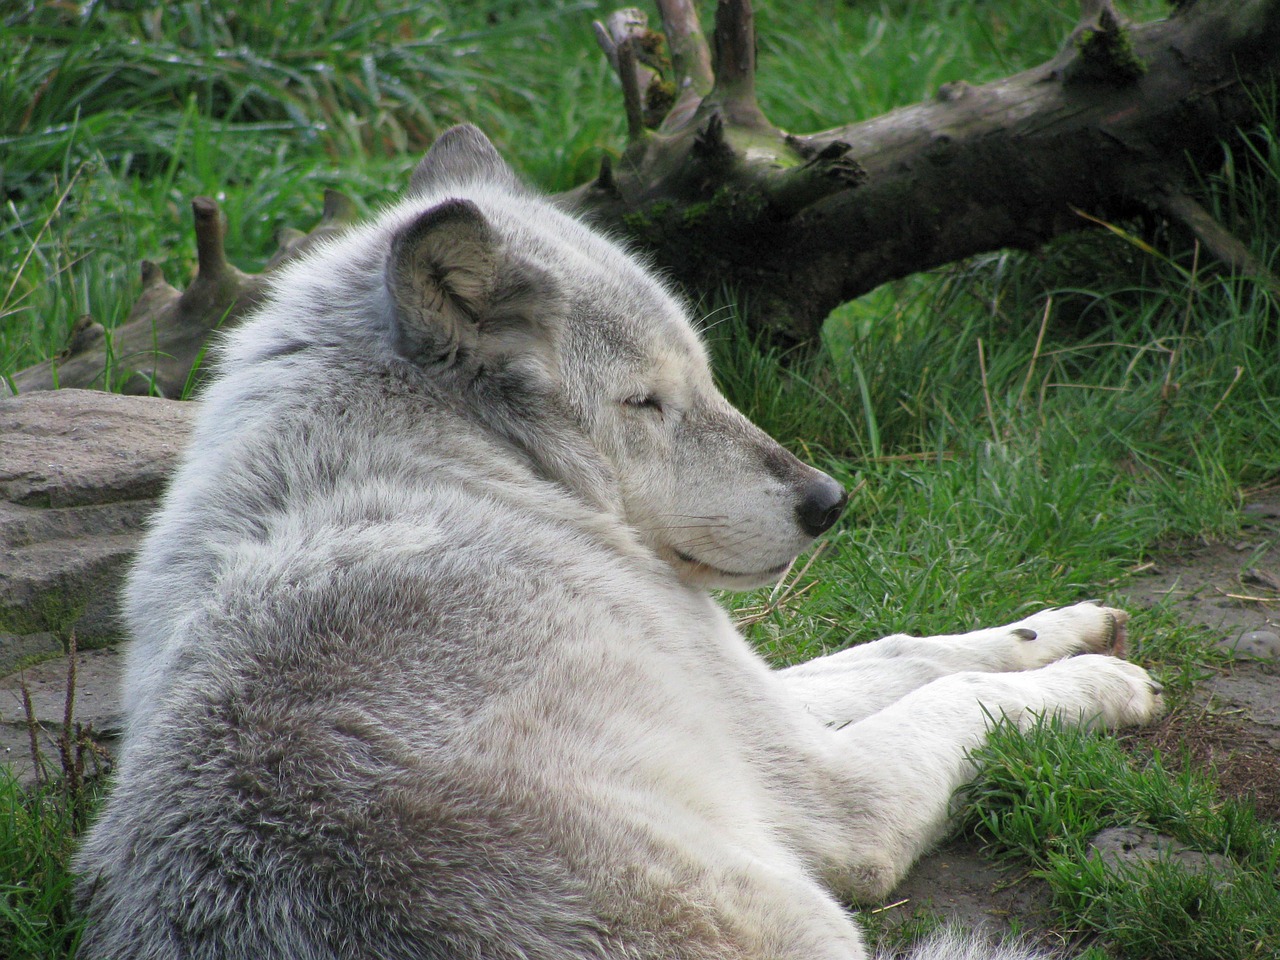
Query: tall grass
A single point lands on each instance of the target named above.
(1001, 461)
(131, 111)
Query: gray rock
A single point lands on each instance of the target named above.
(1256, 645)
(80, 472)
(1250, 695)
(97, 696)
(1135, 846)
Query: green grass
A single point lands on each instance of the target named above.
(998, 468)
(38, 834)
(40, 826)
(1042, 795)
(261, 108)
(1021, 430)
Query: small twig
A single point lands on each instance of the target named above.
(1248, 598)
(785, 590)
(890, 906)
(986, 392)
(72, 766)
(1223, 399)
(617, 37)
(754, 614)
(1128, 574)
(69, 699)
(33, 732)
(1035, 354)
(803, 570)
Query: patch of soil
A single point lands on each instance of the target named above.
(957, 883)
(1232, 723)
(1231, 588)
(1244, 756)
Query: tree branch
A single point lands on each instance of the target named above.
(801, 224)
(735, 67)
(154, 350)
(1113, 125)
(617, 37)
(690, 58)
(1221, 243)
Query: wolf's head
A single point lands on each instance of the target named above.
(577, 354)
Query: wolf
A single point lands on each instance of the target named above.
(425, 663)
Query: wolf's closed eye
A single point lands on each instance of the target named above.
(647, 401)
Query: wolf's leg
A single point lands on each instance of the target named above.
(787, 920)
(899, 767)
(847, 686)
(769, 907)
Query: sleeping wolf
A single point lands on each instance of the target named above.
(425, 664)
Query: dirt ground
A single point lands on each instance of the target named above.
(1231, 723)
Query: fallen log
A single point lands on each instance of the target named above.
(1117, 123)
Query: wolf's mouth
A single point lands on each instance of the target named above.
(771, 573)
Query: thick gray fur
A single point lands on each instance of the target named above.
(424, 662)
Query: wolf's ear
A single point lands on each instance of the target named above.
(441, 274)
(461, 154)
(459, 295)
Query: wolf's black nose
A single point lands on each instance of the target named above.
(821, 507)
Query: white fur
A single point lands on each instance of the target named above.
(425, 665)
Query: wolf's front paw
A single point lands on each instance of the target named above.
(1064, 632)
(1114, 692)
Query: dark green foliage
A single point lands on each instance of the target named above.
(39, 831)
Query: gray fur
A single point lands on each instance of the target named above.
(424, 661)
(462, 154)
